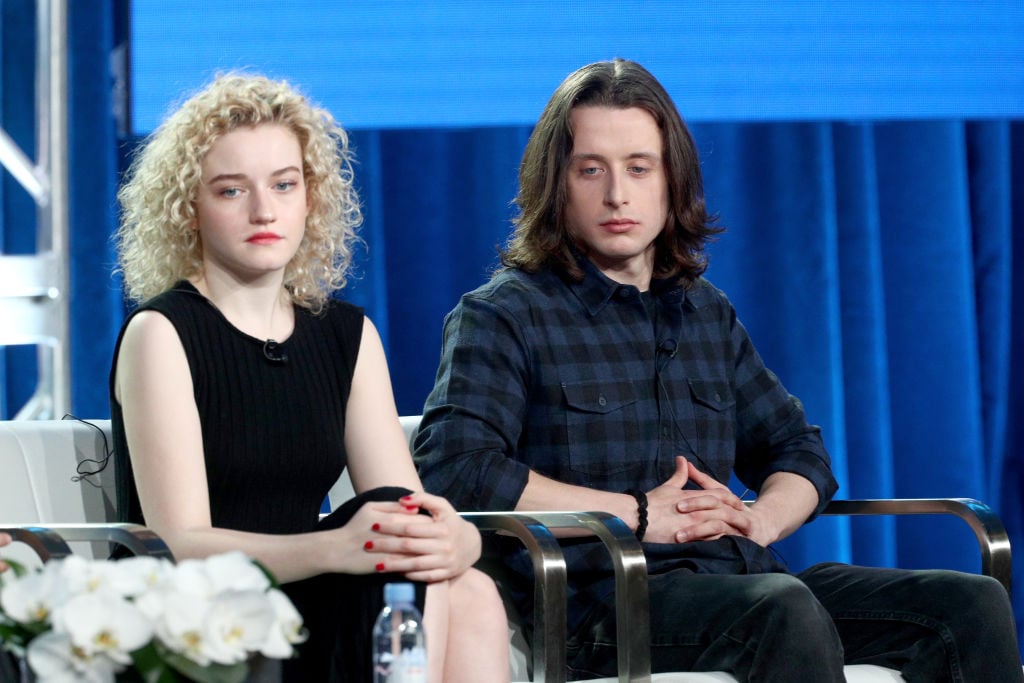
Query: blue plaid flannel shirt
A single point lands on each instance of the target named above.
(577, 382)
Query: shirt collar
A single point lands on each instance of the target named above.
(596, 289)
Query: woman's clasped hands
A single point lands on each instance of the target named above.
(429, 547)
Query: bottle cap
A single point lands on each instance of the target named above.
(399, 592)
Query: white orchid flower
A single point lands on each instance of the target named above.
(53, 659)
(103, 624)
(218, 610)
(134, 576)
(237, 625)
(190, 578)
(287, 630)
(235, 571)
(86, 576)
(179, 622)
(34, 597)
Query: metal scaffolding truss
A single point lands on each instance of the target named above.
(34, 288)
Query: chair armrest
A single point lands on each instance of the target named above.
(47, 544)
(50, 541)
(138, 539)
(549, 588)
(632, 607)
(631, 602)
(993, 540)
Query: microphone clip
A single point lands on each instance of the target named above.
(272, 352)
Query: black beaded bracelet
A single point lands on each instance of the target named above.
(641, 512)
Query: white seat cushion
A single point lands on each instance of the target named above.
(858, 673)
(39, 461)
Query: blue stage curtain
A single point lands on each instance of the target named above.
(873, 263)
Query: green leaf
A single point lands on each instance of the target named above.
(151, 667)
(17, 567)
(212, 673)
(11, 630)
(156, 663)
(13, 638)
(270, 576)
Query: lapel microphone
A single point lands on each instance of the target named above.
(272, 352)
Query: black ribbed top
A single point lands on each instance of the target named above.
(273, 432)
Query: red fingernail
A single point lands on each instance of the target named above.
(368, 545)
(412, 507)
(380, 566)
(405, 498)
(376, 527)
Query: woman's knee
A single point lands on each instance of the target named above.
(474, 593)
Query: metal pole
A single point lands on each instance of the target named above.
(52, 397)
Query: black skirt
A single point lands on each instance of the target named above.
(339, 610)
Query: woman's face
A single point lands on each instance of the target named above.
(251, 207)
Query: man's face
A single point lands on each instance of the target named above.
(617, 190)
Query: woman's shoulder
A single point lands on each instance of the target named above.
(183, 296)
(339, 312)
(338, 320)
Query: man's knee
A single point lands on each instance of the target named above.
(741, 608)
(940, 591)
(784, 602)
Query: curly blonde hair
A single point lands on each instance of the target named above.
(157, 242)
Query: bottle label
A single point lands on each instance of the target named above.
(410, 667)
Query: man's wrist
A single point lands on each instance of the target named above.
(641, 511)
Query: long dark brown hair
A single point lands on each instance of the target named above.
(541, 237)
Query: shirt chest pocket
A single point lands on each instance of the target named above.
(604, 431)
(712, 394)
(714, 424)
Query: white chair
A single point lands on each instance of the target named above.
(40, 461)
(631, 576)
(44, 503)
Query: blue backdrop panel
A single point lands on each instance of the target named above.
(470, 62)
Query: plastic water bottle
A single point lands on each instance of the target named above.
(399, 642)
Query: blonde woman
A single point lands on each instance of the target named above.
(240, 390)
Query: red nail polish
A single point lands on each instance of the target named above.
(405, 498)
(412, 507)
(380, 566)
(368, 545)
(376, 527)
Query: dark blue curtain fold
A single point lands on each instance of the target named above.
(873, 263)
(1011, 492)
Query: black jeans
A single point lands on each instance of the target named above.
(931, 625)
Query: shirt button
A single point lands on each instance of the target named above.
(718, 397)
(601, 401)
(664, 431)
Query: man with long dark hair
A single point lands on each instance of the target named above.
(598, 370)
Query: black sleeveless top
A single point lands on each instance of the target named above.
(273, 419)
